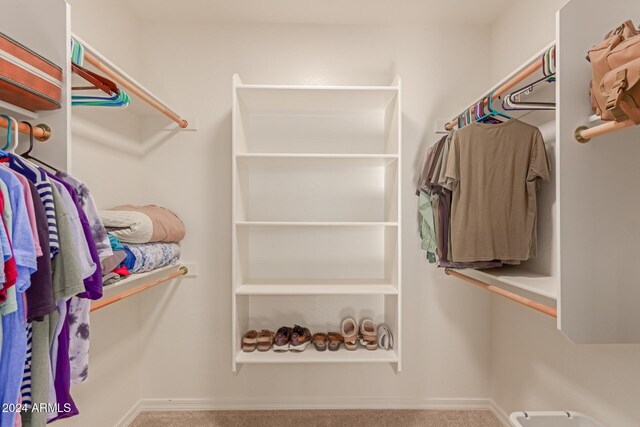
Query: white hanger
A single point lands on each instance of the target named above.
(12, 147)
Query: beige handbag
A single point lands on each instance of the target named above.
(615, 85)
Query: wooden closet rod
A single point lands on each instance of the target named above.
(41, 132)
(508, 84)
(584, 134)
(141, 93)
(133, 291)
(117, 75)
(550, 311)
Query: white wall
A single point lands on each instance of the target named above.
(174, 342)
(534, 366)
(187, 352)
(519, 32)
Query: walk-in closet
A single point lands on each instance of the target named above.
(376, 213)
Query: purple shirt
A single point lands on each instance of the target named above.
(93, 286)
(62, 382)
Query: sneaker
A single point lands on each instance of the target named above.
(283, 338)
(300, 338)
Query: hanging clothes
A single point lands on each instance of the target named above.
(23, 252)
(478, 195)
(56, 254)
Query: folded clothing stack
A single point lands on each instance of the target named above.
(143, 238)
(143, 224)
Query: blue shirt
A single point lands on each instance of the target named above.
(21, 236)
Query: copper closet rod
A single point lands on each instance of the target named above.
(584, 134)
(41, 132)
(134, 89)
(506, 86)
(550, 311)
(133, 291)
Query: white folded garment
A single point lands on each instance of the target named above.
(128, 226)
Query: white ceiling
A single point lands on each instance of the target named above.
(319, 11)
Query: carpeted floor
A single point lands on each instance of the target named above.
(325, 418)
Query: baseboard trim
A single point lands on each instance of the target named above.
(130, 415)
(310, 403)
(499, 413)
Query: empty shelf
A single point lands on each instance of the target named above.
(317, 98)
(317, 289)
(315, 160)
(316, 224)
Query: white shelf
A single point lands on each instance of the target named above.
(143, 277)
(318, 88)
(311, 355)
(317, 188)
(360, 160)
(317, 289)
(517, 277)
(315, 224)
(316, 208)
(315, 98)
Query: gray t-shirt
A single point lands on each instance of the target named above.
(67, 274)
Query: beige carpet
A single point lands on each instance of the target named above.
(351, 418)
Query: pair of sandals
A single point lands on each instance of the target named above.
(370, 336)
(331, 341)
(253, 340)
(366, 332)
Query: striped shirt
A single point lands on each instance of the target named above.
(41, 181)
(25, 389)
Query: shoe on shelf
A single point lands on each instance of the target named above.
(349, 329)
(300, 338)
(385, 337)
(320, 341)
(249, 341)
(265, 340)
(283, 338)
(368, 334)
(335, 339)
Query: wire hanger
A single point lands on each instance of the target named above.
(27, 154)
(512, 100)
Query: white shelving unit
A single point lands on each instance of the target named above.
(316, 209)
